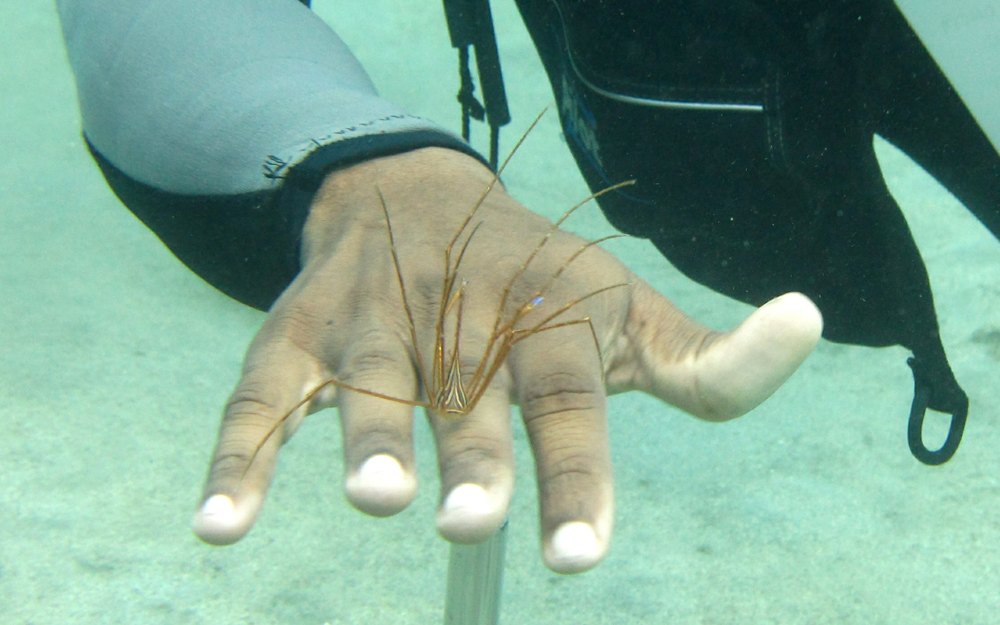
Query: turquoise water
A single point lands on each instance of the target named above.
(116, 361)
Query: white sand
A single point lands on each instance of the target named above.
(116, 361)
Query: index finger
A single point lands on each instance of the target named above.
(259, 415)
(561, 392)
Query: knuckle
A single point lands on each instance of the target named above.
(573, 477)
(557, 393)
(249, 404)
(250, 417)
(300, 316)
(229, 464)
(467, 459)
(370, 362)
(572, 462)
(297, 323)
(374, 437)
(474, 444)
(476, 369)
(372, 354)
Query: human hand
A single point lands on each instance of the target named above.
(344, 318)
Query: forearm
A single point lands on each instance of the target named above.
(220, 97)
(216, 121)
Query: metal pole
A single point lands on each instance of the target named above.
(475, 578)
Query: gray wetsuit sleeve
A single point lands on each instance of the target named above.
(222, 97)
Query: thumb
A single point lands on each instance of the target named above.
(719, 376)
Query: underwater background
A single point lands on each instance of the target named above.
(115, 362)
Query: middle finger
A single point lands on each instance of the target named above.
(563, 403)
(476, 461)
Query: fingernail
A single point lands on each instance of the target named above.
(378, 471)
(470, 513)
(218, 507)
(574, 546)
(217, 521)
(380, 486)
(468, 499)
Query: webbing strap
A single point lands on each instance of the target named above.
(470, 24)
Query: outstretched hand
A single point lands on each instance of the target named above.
(593, 328)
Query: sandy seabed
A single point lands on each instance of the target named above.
(116, 361)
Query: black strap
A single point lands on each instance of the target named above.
(470, 23)
(935, 392)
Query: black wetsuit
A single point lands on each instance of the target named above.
(215, 121)
(748, 126)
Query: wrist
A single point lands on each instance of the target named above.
(431, 185)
